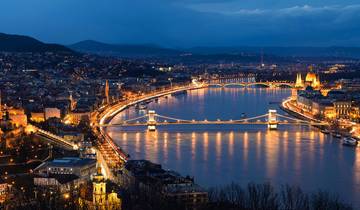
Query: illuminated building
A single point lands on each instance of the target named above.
(37, 117)
(107, 92)
(342, 109)
(4, 191)
(99, 190)
(299, 82)
(52, 113)
(323, 108)
(76, 116)
(312, 80)
(101, 200)
(355, 113)
(68, 165)
(72, 102)
(16, 117)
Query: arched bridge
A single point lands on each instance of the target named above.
(272, 119)
(251, 84)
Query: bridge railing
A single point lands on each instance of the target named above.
(57, 139)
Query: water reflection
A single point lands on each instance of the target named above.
(221, 154)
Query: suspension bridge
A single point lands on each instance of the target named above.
(271, 119)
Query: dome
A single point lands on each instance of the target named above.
(310, 77)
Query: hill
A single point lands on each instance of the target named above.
(19, 43)
(339, 52)
(123, 50)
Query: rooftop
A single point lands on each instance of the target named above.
(69, 162)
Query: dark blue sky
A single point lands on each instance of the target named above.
(185, 23)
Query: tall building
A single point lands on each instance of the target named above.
(107, 92)
(99, 190)
(101, 200)
(72, 102)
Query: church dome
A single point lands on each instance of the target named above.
(310, 77)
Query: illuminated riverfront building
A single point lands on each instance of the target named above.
(342, 108)
(312, 79)
(355, 113)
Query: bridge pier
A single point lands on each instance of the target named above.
(151, 123)
(272, 120)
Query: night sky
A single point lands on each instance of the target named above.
(187, 23)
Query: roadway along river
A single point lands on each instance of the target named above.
(220, 154)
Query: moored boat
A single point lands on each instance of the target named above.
(142, 106)
(325, 131)
(349, 141)
(336, 135)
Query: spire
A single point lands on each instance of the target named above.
(107, 92)
(72, 102)
(299, 82)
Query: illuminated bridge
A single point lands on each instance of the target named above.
(272, 119)
(245, 82)
(52, 138)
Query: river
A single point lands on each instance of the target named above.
(221, 154)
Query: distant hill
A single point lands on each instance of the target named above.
(18, 43)
(123, 50)
(341, 52)
(128, 50)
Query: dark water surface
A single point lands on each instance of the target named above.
(220, 154)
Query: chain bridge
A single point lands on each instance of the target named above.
(271, 119)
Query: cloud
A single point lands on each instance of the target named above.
(183, 23)
(290, 11)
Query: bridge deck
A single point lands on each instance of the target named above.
(212, 123)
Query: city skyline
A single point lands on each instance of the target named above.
(180, 104)
(187, 23)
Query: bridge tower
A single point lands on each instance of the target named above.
(272, 119)
(151, 123)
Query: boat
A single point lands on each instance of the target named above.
(142, 106)
(336, 135)
(243, 115)
(349, 141)
(325, 131)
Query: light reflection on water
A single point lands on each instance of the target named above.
(220, 154)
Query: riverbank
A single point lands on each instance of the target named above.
(107, 115)
(243, 153)
(286, 106)
(114, 110)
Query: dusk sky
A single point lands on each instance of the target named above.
(187, 23)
